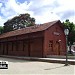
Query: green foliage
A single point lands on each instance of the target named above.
(1, 29)
(18, 22)
(71, 37)
(71, 27)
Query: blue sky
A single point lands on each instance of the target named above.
(21, 1)
(42, 10)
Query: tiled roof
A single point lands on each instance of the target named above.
(26, 30)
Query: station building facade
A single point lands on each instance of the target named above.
(35, 41)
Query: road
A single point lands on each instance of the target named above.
(17, 66)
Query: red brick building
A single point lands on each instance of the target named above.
(35, 41)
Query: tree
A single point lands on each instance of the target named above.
(1, 29)
(18, 22)
(69, 25)
(71, 36)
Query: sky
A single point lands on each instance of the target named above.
(42, 10)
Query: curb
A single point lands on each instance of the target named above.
(54, 60)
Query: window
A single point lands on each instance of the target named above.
(51, 45)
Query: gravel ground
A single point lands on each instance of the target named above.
(19, 67)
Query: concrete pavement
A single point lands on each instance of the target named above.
(25, 67)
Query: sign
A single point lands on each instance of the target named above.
(56, 33)
(3, 64)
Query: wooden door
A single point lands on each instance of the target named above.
(1, 48)
(36, 47)
(5, 49)
(57, 48)
(50, 47)
(26, 48)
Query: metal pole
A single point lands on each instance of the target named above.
(66, 63)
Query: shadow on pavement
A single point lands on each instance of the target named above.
(54, 67)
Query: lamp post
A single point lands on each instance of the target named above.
(66, 31)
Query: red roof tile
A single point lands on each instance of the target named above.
(26, 30)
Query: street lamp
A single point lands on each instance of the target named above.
(66, 31)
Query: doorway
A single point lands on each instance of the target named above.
(36, 47)
(57, 48)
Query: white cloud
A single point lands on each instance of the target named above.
(0, 5)
(46, 17)
(12, 8)
(42, 10)
(2, 20)
(41, 3)
(65, 5)
(72, 19)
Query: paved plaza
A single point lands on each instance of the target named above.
(19, 67)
